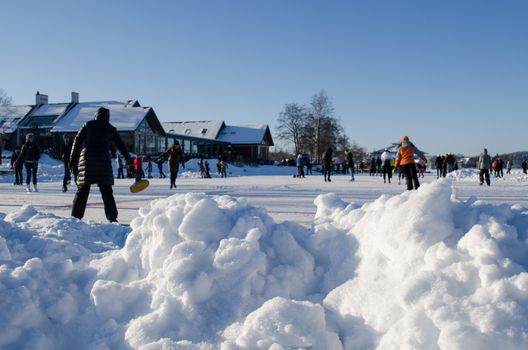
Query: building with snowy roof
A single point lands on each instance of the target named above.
(248, 144)
(138, 126)
(197, 138)
(10, 118)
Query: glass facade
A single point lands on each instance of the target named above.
(145, 139)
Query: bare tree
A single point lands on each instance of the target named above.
(291, 123)
(321, 123)
(4, 99)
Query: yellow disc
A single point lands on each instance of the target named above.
(139, 186)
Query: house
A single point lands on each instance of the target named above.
(197, 138)
(138, 126)
(250, 143)
(10, 118)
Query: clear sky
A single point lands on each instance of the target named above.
(453, 75)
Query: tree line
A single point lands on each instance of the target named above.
(312, 129)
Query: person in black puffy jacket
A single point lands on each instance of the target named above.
(30, 155)
(90, 160)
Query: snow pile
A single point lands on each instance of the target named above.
(45, 279)
(417, 270)
(434, 273)
(471, 175)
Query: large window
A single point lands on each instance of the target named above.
(145, 139)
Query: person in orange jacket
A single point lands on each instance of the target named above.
(405, 161)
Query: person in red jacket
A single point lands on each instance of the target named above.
(405, 161)
(138, 167)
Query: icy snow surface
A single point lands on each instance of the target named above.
(417, 270)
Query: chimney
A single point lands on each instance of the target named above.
(75, 97)
(41, 99)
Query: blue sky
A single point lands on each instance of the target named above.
(453, 75)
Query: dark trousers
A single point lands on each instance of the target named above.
(173, 176)
(67, 175)
(387, 173)
(161, 174)
(411, 176)
(120, 173)
(484, 173)
(31, 172)
(327, 171)
(81, 197)
(300, 171)
(19, 178)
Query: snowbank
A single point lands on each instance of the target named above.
(417, 270)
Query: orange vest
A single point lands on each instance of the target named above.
(406, 155)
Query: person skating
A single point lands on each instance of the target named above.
(439, 161)
(67, 145)
(29, 156)
(327, 164)
(308, 166)
(90, 159)
(484, 165)
(508, 167)
(207, 170)
(405, 160)
(175, 155)
(524, 166)
(372, 169)
(119, 164)
(223, 168)
(138, 167)
(149, 168)
(350, 163)
(300, 166)
(19, 178)
(159, 163)
(386, 158)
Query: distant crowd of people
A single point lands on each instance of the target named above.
(87, 158)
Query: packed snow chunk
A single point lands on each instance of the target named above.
(433, 272)
(285, 324)
(205, 222)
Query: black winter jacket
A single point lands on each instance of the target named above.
(90, 156)
(29, 153)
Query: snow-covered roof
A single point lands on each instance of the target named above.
(10, 116)
(122, 116)
(199, 129)
(50, 109)
(248, 134)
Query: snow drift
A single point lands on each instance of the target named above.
(417, 270)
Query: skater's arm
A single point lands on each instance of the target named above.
(76, 148)
(22, 154)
